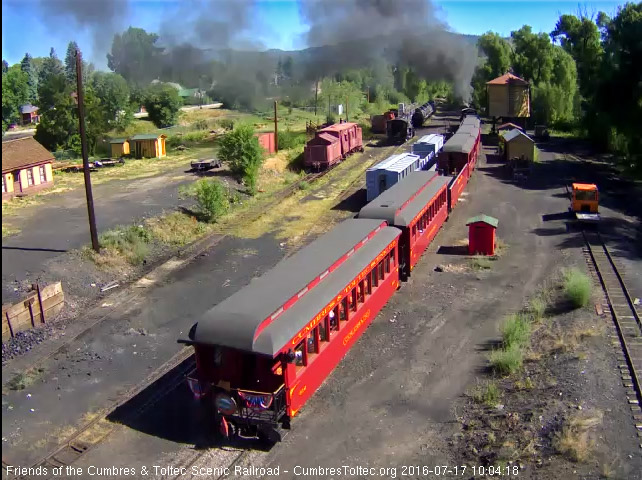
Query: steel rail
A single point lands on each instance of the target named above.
(609, 293)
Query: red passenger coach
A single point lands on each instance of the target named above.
(262, 352)
(418, 205)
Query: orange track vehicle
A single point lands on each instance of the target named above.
(584, 201)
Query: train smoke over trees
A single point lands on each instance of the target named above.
(213, 45)
(406, 34)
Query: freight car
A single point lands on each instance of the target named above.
(462, 149)
(422, 114)
(393, 169)
(418, 206)
(378, 122)
(333, 144)
(263, 352)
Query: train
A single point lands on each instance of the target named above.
(264, 351)
(332, 144)
(400, 128)
(423, 113)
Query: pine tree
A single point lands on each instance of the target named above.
(70, 62)
(50, 66)
(27, 66)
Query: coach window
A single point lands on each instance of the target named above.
(362, 291)
(387, 263)
(334, 319)
(300, 359)
(392, 257)
(368, 281)
(323, 329)
(381, 272)
(353, 297)
(343, 310)
(375, 279)
(313, 344)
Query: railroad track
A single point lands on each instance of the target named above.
(97, 430)
(626, 319)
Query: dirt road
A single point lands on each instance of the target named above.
(60, 223)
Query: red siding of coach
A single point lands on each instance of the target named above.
(302, 382)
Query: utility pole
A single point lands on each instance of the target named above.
(316, 97)
(347, 119)
(85, 158)
(276, 130)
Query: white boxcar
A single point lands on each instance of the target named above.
(428, 143)
(385, 174)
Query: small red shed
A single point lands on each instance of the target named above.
(481, 235)
(266, 140)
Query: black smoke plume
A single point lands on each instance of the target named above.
(406, 33)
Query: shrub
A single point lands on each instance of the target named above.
(241, 150)
(577, 287)
(304, 185)
(507, 361)
(487, 393)
(211, 198)
(537, 307)
(201, 124)
(176, 228)
(130, 242)
(516, 331)
(163, 104)
(290, 139)
(226, 123)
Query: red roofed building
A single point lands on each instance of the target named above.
(26, 167)
(508, 97)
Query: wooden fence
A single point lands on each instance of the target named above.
(37, 308)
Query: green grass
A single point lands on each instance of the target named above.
(577, 287)
(131, 242)
(537, 307)
(480, 263)
(176, 229)
(516, 331)
(24, 380)
(487, 393)
(507, 361)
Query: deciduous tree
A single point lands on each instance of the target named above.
(163, 104)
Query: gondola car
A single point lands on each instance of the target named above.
(262, 353)
(418, 206)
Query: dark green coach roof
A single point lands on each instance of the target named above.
(485, 219)
(118, 140)
(388, 205)
(294, 319)
(234, 322)
(459, 143)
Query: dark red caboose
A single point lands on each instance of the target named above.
(481, 235)
(320, 152)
